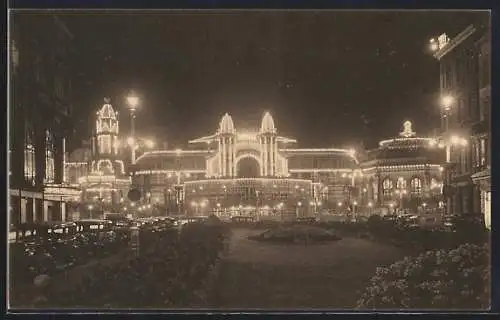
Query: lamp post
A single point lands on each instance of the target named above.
(446, 104)
(354, 205)
(401, 192)
(299, 205)
(203, 204)
(90, 210)
(194, 204)
(279, 206)
(132, 104)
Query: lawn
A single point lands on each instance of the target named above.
(277, 276)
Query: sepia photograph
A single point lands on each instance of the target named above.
(249, 160)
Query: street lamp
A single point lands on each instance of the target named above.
(90, 210)
(446, 102)
(401, 193)
(132, 104)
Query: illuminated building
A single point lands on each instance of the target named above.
(404, 172)
(465, 63)
(251, 173)
(100, 172)
(40, 118)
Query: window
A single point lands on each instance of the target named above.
(482, 153)
(401, 184)
(29, 155)
(387, 186)
(416, 185)
(477, 154)
(49, 158)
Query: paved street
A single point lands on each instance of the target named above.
(257, 275)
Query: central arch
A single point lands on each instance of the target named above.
(247, 166)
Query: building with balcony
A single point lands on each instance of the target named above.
(40, 118)
(404, 173)
(465, 64)
(248, 172)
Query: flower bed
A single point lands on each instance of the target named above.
(296, 234)
(437, 279)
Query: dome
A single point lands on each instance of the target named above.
(226, 124)
(267, 124)
(408, 146)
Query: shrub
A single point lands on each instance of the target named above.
(438, 279)
(166, 274)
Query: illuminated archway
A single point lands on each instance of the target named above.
(248, 166)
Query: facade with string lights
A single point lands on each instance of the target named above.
(99, 172)
(404, 173)
(248, 173)
(465, 83)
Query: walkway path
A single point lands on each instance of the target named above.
(272, 276)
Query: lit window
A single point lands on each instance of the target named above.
(29, 155)
(49, 158)
(401, 184)
(387, 186)
(482, 153)
(416, 185)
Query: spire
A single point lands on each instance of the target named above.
(267, 125)
(226, 124)
(107, 111)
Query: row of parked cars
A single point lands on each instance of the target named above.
(49, 247)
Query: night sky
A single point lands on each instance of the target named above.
(329, 78)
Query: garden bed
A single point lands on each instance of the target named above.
(299, 234)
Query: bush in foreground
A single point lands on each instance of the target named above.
(166, 274)
(438, 279)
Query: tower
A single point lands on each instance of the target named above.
(226, 139)
(268, 146)
(105, 151)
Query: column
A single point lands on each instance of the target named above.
(46, 210)
(24, 203)
(380, 194)
(220, 159)
(38, 212)
(224, 160)
(56, 211)
(63, 211)
(261, 145)
(275, 157)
